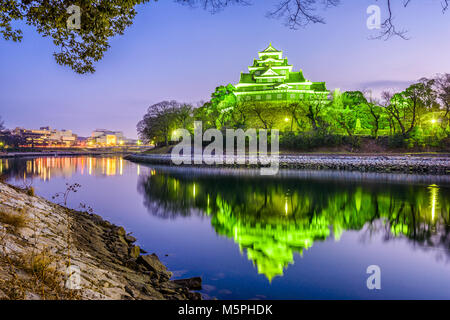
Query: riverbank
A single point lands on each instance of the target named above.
(48, 152)
(43, 245)
(417, 164)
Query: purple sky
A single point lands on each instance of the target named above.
(174, 52)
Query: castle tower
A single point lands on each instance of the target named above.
(271, 78)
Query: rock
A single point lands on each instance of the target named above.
(130, 238)
(150, 291)
(194, 296)
(151, 262)
(121, 231)
(3, 296)
(167, 291)
(135, 252)
(32, 296)
(129, 291)
(194, 283)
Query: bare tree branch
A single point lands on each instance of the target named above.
(299, 13)
(388, 29)
(212, 6)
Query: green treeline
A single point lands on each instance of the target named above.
(416, 117)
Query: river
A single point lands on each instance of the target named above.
(297, 235)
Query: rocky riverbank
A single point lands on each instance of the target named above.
(418, 164)
(50, 252)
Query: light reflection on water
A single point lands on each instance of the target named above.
(287, 228)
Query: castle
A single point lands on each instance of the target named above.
(271, 78)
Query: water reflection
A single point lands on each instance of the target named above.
(272, 218)
(45, 168)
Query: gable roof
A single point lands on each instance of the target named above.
(269, 72)
(270, 49)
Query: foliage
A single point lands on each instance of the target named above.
(222, 104)
(77, 48)
(416, 117)
(162, 118)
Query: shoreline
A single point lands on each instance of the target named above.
(15, 155)
(409, 164)
(35, 254)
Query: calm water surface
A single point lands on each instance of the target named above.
(298, 235)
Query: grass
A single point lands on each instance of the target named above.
(16, 220)
(30, 191)
(35, 273)
(159, 150)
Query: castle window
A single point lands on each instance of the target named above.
(279, 96)
(268, 97)
(258, 97)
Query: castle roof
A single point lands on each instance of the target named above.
(270, 49)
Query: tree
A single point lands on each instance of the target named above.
(184, 116)
(345, 109)
(2, 124)
(159, 121)
(313, 105)
(295, 111)
(376, 113)
(78, 48)
(222, 104)
(442, 87)
(406, 107)
(101, 20)
(263, 114)
(241, 115)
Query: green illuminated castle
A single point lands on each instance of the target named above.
(271, 79)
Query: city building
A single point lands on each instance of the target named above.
(48, 137)
(104, 137)
(45, 136)
(271, 78)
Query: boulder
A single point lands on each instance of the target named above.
(130, 239)
(135, 251)
(152, 263)
(194, 283)
(121, 231)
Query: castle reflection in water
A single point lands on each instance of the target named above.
(271, 219)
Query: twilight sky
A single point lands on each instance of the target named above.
(175, 52)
